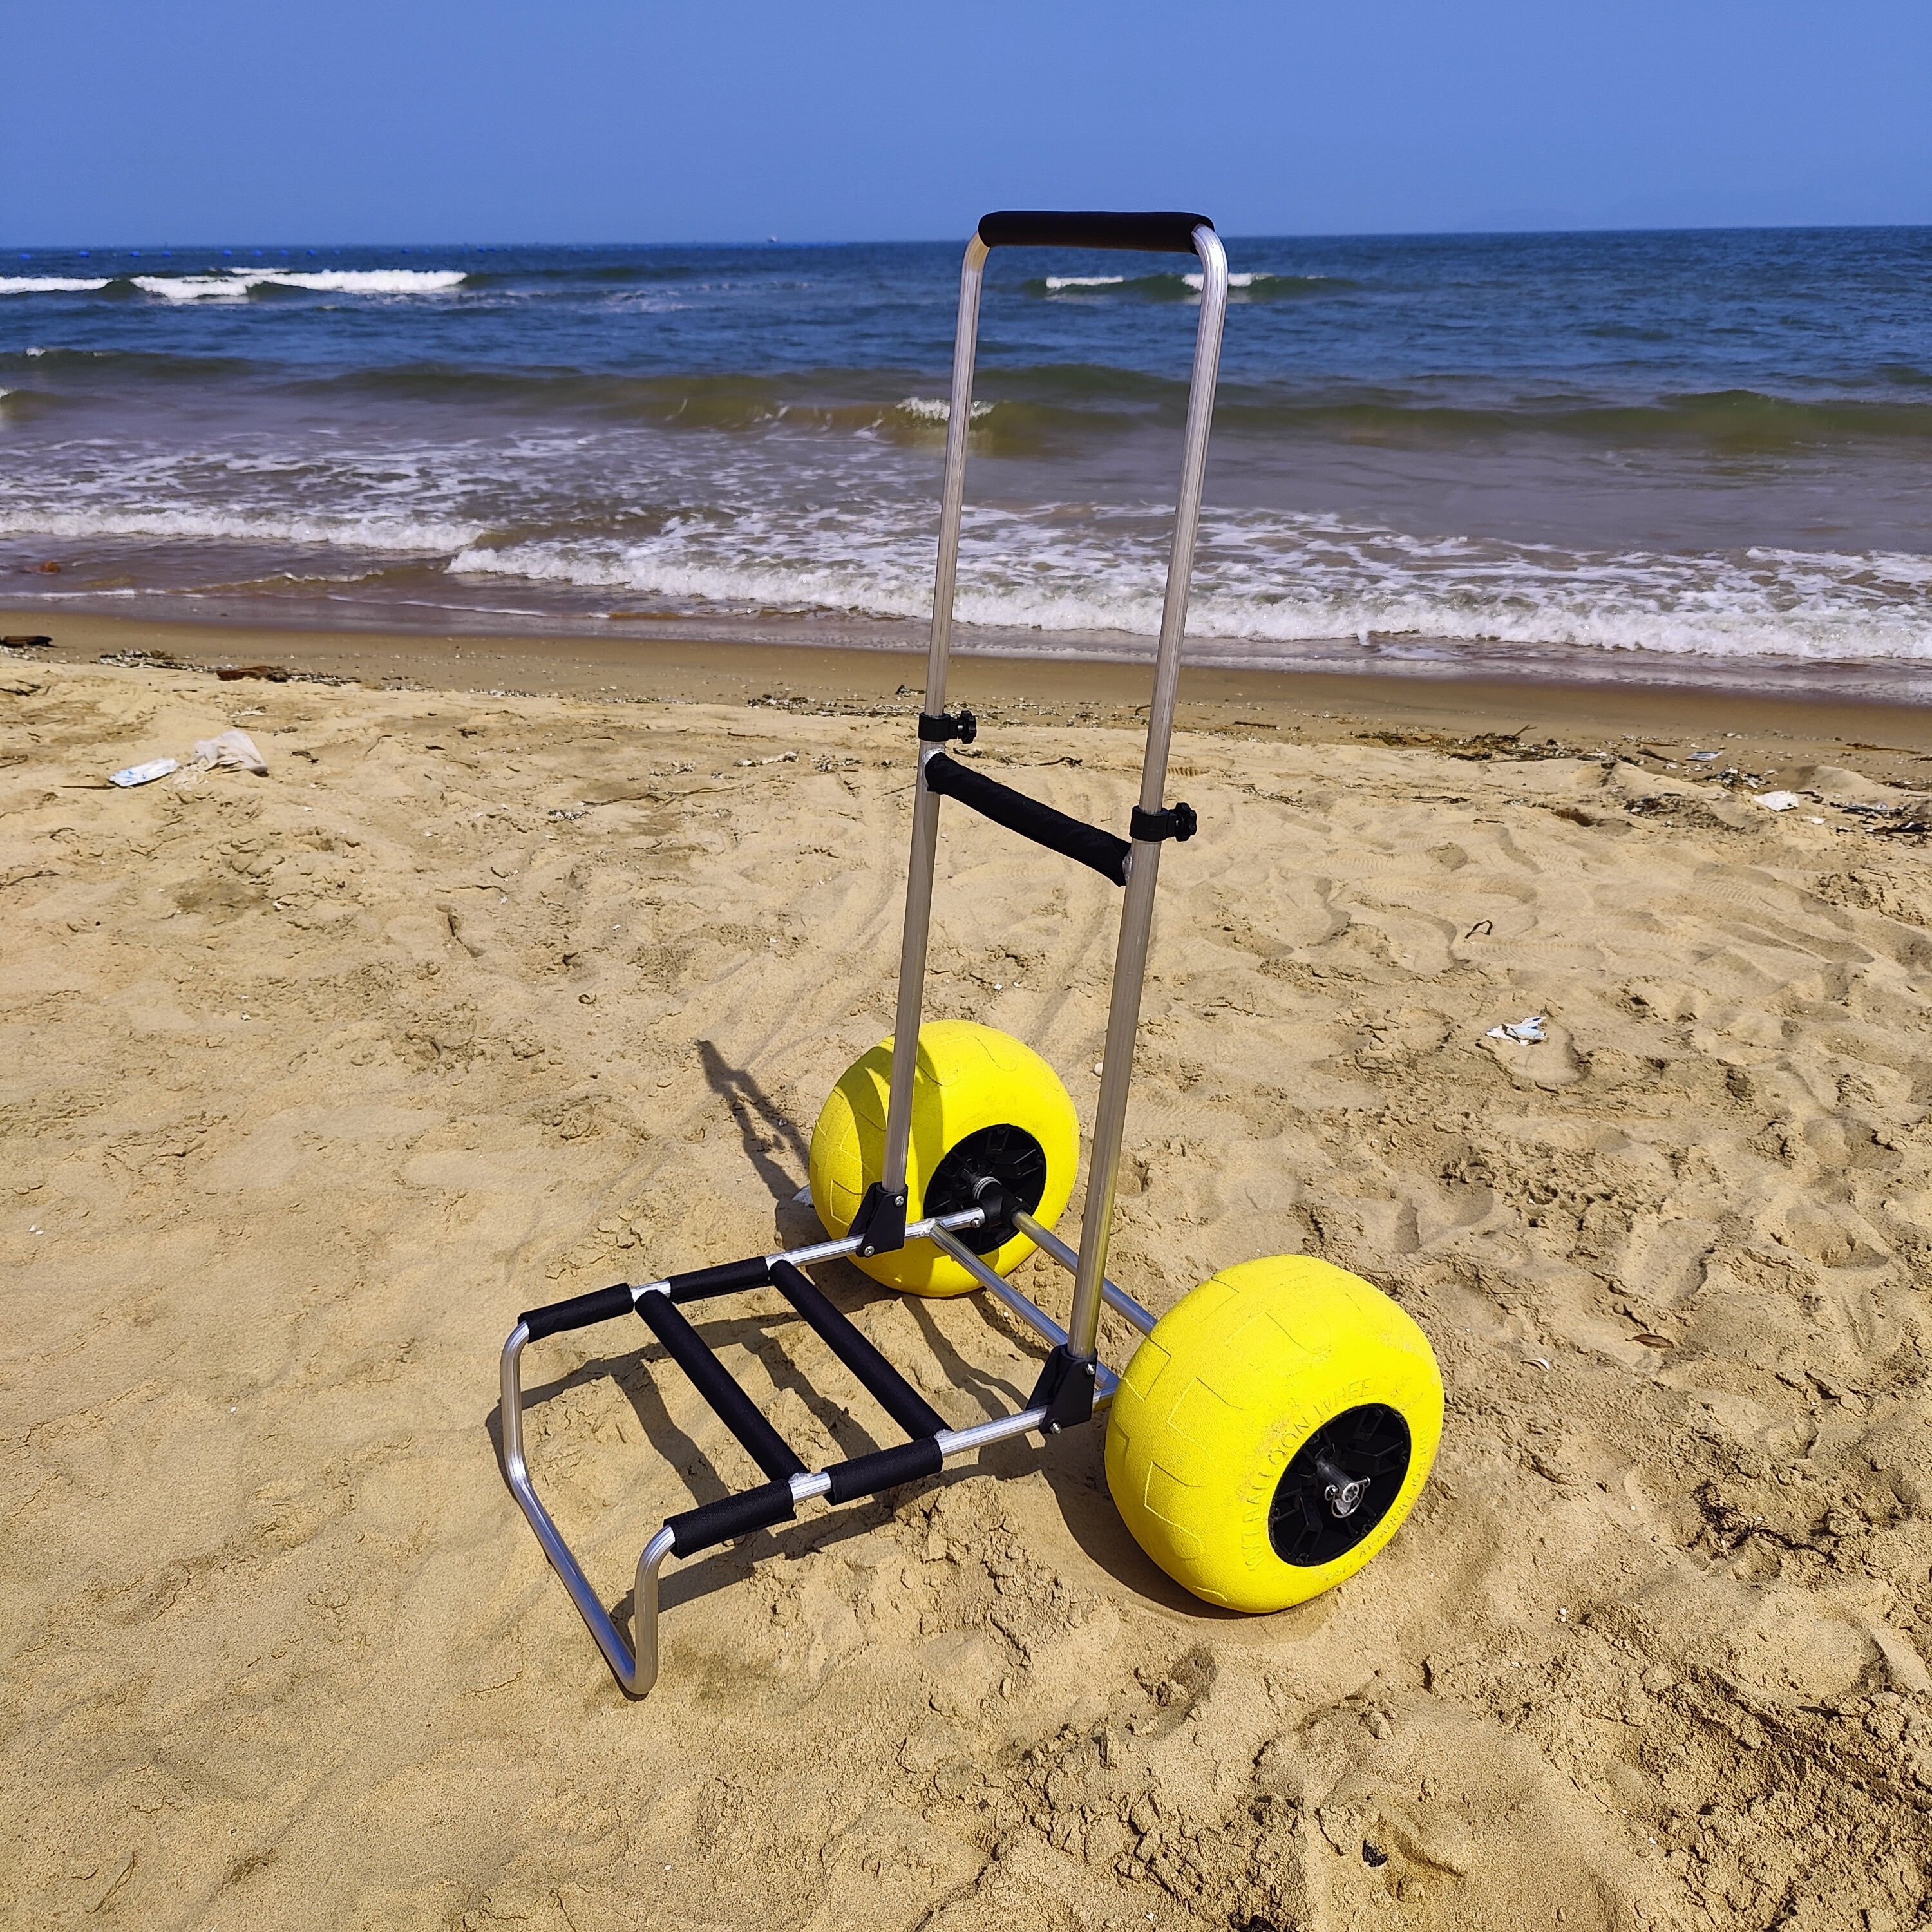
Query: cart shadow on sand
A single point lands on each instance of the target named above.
(1069, 1462)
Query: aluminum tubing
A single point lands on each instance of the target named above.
(914, 941)
(1115, 1297)
(1035, 1318)
(1187, 514)
(644, 1615)
(1110, 1110)
(1137, 914)
(589, 1606)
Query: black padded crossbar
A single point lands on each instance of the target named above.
(1163, 233)
(1072, 838)
(888, 1387)
(727, 1275)
(884, 1469)
(579, 1312)
(686, 1348)
(712, 1523)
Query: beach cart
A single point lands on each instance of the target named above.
(1274, 1427)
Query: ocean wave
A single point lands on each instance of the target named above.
(1252, 285)
(239, 284)
(358, 529)
(50, 285)
(828, 543)
(1038, 405)
(939, 409)
(1265, 578)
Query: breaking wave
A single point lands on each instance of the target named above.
(239, 284)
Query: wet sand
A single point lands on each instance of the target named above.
(1301, 707)
(312, 1081)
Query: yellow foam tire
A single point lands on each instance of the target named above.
(970, 1079)
(1245, 1416)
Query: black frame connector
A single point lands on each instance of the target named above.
(879, 1227)
(1177, 822)
(946, 727)
(1065, 1389)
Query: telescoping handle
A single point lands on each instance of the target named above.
(1162, 233)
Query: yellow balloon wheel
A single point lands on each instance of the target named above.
(1271, 1434)
(980, 1097)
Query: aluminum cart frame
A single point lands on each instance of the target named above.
(1074, 1384)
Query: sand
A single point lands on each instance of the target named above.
(312, 1081)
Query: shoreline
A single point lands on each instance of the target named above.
(1883, 740)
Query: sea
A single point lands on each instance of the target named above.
(1697, 457)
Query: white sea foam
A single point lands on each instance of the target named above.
(358, 529)
(193, 288)
(362, 281)
(1265, 578)
(808, 523)
(1055, 283)
(234, 284)
(49, 285)
(939, 409)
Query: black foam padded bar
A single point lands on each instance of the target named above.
(887, 1386)
(710, 1524)
(885, 1469)
(722, 1280)
(1165, 232)
(688, 1349)
(600, 1304)
(1071, 838)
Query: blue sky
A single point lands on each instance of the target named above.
(719, 120)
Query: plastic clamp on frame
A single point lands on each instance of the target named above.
(947, 726)
(879, 1226)
(1178, 822)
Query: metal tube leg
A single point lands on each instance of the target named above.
(1110, 1113)
(912, 945)
(637, 1672)
(1187, 514)
(644, 1614)
(1123, 1012)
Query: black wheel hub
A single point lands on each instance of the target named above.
(1341, 1484)
(1002, 1169)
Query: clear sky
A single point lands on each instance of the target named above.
(401, 120)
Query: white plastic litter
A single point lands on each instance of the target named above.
(1778, 801)
(155, 768)
(234, 748)
(1526, 1032)
(1704, 757)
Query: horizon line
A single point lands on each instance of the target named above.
(24, 250)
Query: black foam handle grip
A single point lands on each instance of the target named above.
(725, 1279)
(885, 1469)
(1164, 233)
(713, 1523)
(708, 1376)
(600, 1304)
(1071, 838)
(887, 1386)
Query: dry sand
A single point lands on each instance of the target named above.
(312, 1081)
